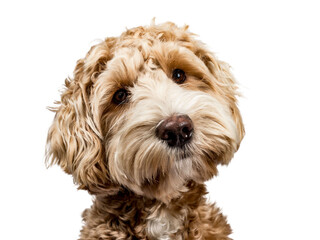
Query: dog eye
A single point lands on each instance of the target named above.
(120, 96)
(179, 76)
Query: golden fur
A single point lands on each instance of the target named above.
(144, 189)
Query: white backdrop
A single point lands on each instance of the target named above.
(271, 188)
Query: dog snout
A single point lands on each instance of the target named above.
(176, 130)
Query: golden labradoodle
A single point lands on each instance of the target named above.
(143, 123)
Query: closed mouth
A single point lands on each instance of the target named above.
(183, 154)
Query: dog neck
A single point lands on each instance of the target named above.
(141, 217)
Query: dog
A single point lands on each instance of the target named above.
(143, 123)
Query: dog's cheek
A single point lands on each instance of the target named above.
(114, 164)
(135, 155)
(240, 131)
(228, 89)
(215, 132)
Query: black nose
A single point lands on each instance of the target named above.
(176, 131)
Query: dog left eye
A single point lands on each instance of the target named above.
(120, 96)
(179, 76)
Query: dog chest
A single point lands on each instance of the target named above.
(162, 224)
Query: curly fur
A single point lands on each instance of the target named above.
(144, 189)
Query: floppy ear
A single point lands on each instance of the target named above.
(74, 140)
(228, 87)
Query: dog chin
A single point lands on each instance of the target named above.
(170, 184)
(167, 186)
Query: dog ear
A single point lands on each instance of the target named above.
(74, 140)
(227, 86)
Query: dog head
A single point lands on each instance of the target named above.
(149, 110)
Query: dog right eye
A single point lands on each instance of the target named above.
(120, 96)
(179, 76)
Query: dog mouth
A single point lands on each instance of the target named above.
(183, 153)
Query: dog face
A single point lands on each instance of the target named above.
(149, 110)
